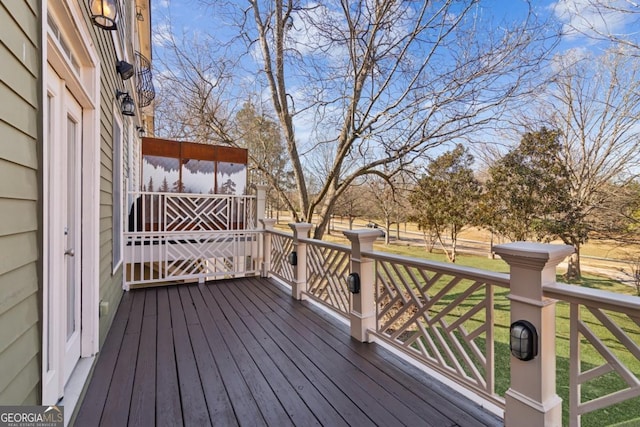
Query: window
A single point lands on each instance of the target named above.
(117, 191)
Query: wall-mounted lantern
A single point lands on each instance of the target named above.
(125, 70)
(127, 106)
(523, 340)
(104, 13)
(293, 258)
(141, 131)
(353, 283)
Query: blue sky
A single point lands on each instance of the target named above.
(190, 17)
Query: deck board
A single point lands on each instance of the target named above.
(243, 352)
(380, 405)
(194, 406)
(92, 407)
(143, 399)
(370, 361)
(168, 406)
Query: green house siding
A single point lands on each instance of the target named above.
(20, 306)
(110, 275)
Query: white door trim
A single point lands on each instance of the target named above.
(83, 81)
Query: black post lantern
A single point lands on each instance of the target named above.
(293, 258)
(353, 283)
(104, 13)
(523, 340)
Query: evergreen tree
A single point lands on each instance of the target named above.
(445, 199)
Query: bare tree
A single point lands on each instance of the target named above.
(388, 201)
(351, 204)
(633, 262)
(385, 81)
(194, 88)
(197, 102)
(371, 85)
(595, 103)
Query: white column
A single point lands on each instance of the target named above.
(363, 307)
(261, 202)
(265, 250)
(300, 231)
(532, 400)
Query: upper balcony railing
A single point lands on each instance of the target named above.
(144, 80)
(173, 237)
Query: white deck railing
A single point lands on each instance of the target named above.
(442, 315)
(180, 237)
(279, 247)
(595, 318)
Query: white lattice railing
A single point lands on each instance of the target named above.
(595, 319)
(281, 247)
(327, 271)
(440, 314)
(175, 237)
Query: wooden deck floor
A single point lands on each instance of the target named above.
(242, 352)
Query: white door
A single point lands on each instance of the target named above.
(72, 207)
(64, 235)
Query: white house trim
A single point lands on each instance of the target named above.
(83, 81)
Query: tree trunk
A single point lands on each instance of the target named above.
(387, 231)
(573, 269)
(454, 243)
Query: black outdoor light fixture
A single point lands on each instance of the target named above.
(127, 106)
(125, 70)
(104, 13)
(293, 258)
(353, 283)
(523, 340)
(141, 131)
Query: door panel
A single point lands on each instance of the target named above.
(72, 232)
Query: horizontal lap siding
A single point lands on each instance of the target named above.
(110, 277)
(20, 335)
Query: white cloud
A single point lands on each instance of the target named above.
(161, 34)
(583, 17)
(307, 33)
(568, 57)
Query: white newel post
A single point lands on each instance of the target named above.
(261, 202)
(532, 399)
(363, 307)
(300, 231)
(267, 226)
